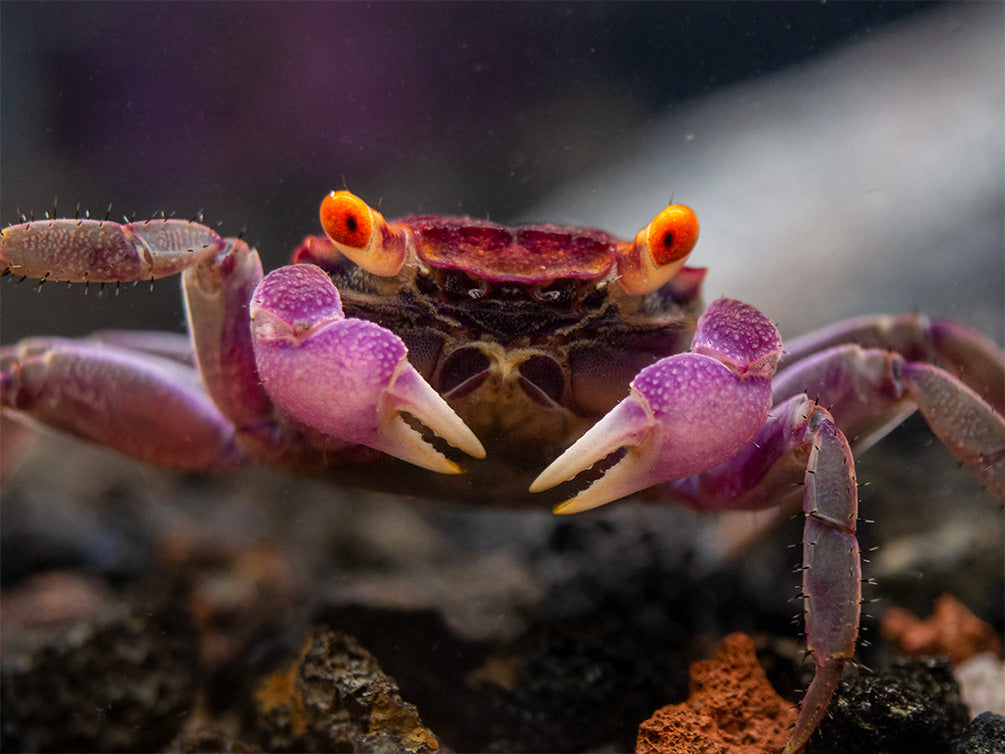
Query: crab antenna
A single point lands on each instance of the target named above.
(658, 251)
(362, 234)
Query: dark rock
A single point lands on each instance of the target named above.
(97, 674)
(912, 708)
(334, 698)
(984, 735)
(509, 631)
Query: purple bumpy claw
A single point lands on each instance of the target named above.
(685, 413)
(348, 378)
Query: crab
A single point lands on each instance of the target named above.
(449, 357)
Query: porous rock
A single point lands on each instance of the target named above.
(952, 630)
(984, 735)
(913, 707)
(731, 709)
(84, 670)
(335, 697)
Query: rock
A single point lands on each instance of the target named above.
(335, 697)
(84, 670)
(984, 735)
(912, 708)
(952, 630)
(731, 709)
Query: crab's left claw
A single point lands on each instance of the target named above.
(685, 413)
(348, 378)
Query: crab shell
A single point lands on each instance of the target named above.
(521, 331)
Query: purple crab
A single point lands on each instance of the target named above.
(549, 364)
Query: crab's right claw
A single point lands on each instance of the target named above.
(348, 378)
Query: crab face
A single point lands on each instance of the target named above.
(529, 333)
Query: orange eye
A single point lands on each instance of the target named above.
(347, 219)
(658, 251)
(673, 234)
(363, 235)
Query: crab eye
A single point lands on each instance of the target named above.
(658, 251)
(362, 234)
(346, 219)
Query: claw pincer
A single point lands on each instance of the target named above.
(685, 413)
(346, 377)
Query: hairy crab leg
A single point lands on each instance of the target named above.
(143, 406)
(871, 391)
(348, 378)
(219, 277)
(802, 442)
(966, 353)
(100, 251)
(966, 424)
(832, 575)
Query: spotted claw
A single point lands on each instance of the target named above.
(685, 413)
(348, 378)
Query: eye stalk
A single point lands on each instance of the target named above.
(658, 251)
(363, 235)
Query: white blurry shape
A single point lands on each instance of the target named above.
(982, 683)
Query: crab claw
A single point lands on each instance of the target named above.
(685, 413)
(629, 424)
(348, 378)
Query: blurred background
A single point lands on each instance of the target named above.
(842, 157)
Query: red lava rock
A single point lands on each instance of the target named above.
(951, 630)
(731, 709)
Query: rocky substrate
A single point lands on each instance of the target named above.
(150, 611)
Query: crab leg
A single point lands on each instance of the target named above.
(99, 251)
(219, 277)
(871, 391)
(802, 443)
(348, 378)
(217, 292)
(832, 575)
(966, 353)
(143, 406)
